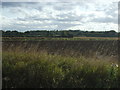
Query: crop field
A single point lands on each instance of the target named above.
(56, 39)
(60, 63)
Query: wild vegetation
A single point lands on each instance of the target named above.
(63, 64)
(56, 39)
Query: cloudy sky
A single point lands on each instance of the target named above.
(90, 15)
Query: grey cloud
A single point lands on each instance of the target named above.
(63, 6)
(61, 17)
(70, 6)
(109, 9)
(10, 4)
(34, 5)
(105, 20)
(70, 17)
(32, 18)
(16, 4)
(62, 26)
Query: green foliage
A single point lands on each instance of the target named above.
(43, 70)
(62, 33)
(64, 64)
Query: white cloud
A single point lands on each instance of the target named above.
(96, 27)
(92, 15)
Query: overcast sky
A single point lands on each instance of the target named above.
(90, 15)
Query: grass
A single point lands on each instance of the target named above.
(60, 64)
(42, 70)
(69, 48)
(56, 39)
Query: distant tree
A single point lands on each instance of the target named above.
(112, 31)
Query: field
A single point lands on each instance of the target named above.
(56, 39)
(80, 63)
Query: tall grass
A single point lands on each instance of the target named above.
(70, 48)
(57, 39)
(34, 69)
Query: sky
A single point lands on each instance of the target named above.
(86, 15)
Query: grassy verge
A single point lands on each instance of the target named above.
(43, 70)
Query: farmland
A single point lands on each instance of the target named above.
(55, 39)
(60, 63)
(106, 48)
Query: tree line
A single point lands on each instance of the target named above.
(62, 33)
